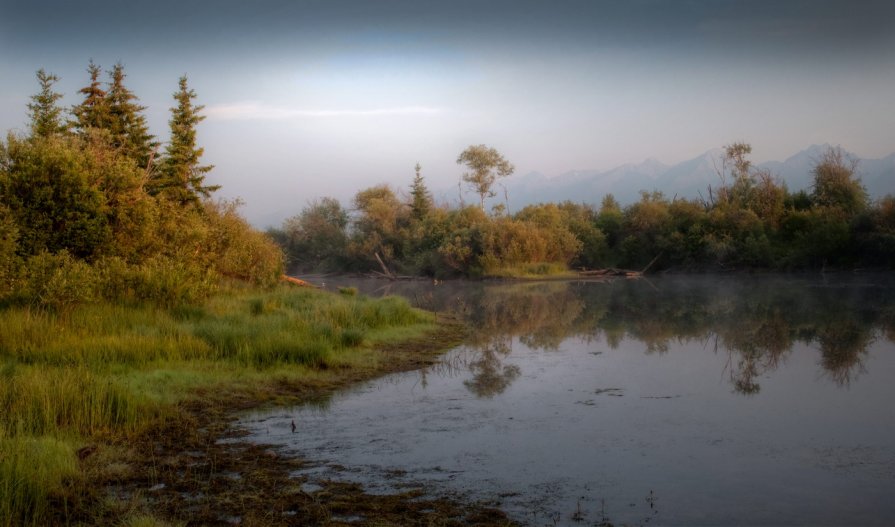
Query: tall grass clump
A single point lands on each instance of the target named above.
(59, 401)
(99, 335)
(33, 472)
(303, 327)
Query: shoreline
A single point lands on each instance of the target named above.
(196, 470)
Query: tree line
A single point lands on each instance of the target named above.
(749, 220)
(93, 206)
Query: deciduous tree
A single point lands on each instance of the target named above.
(836, 185)
(485, 165)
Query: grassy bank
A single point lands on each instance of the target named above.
(108, 374)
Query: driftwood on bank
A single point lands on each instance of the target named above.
(612, 271)
(393, 277)
(296, 281)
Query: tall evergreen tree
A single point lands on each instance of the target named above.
(93, 112)
(127, 124)
(421, 200)
(181, 176)
(45, 114)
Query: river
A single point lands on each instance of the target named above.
(738, 400)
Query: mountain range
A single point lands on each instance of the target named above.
(689, 179)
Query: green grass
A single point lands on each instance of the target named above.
(107, 370)
(531, 271)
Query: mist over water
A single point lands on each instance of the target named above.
(674, 400)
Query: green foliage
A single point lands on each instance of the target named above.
(49, 189)
(236, 250)
(582, 221)
(58, 281)
(379, 216)
(462, 244)
(170, 282)
(317, 237)
(815, 238)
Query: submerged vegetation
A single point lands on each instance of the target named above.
(750, 220)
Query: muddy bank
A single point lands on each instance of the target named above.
(196, 470)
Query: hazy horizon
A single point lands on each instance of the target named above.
(310, 99)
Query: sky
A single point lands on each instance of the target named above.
(313, 98)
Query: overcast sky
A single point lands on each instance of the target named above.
(322, 98)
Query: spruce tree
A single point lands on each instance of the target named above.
(127, 124)
(93, 112)
(45, 113)
(421, 200)
(181, 177)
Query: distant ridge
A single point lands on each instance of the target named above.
(688, 179)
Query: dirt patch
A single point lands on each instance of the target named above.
(195, 469)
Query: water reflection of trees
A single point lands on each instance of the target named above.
(756, 321)
(489, 375)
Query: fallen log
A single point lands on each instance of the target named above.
(385, 270)
(296, 281)
(612, 271)
(594, 272)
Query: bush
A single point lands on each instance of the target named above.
(51, 190)
(236, 250)
(58, 281)
(168, 282)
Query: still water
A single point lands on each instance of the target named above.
(749, 400)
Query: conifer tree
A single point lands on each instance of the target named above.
(45, 113)
(93, 112)
(181, 176)
(127, 124)
(421, 200)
